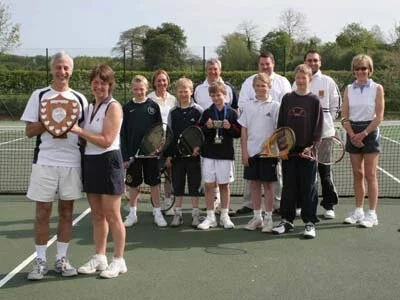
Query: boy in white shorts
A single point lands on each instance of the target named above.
(56, 169)
(220, 127)
(258, 120)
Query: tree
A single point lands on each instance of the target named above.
(250, 32)
(234, 53)
(278, 43)
(9, 32)
(293, 23)
(165, 47)
(131, 41)
(356, 37)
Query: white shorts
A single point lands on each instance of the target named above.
(220, 171)
(48, 183)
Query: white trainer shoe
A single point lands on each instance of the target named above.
(369, 221)
(254, 223)
(96, 263)
(39, 270)
(130, 220)
(159, 220)
(177, 221)
(329, 214)
(207, 223)
(114, 269)
(226, 222)
(298, 212)
(354, 217)
(195, 220)
(309, 231)
(268, 224)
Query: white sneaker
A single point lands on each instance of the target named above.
(176, 221)
(167, 203)
(207, 223)
(268, 224)
(309, 231)
(369, 221)
(96, 263)
(63, 267)
(195, 220)
(354, 217)
(298, 212)
(130, 220)
(39, 270)
(329, 214)
(254, 223)
(226, 222)
(114, 269)
(159, 220)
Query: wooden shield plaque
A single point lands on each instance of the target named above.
(59, 114)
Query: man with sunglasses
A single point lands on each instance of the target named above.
(325, 88)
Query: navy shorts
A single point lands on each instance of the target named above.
(371, 141)
(261, 169)
(190, 168)
(143, 168)
(103, 173)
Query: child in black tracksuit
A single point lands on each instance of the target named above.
(218, 154)
(301, 111)
(186, 114)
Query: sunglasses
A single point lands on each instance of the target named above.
(360, 69)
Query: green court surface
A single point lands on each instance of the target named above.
(343, 262)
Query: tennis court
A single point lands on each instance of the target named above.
(343, 262)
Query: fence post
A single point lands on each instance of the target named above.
(124, 72)
(204, 61)
(47, 67)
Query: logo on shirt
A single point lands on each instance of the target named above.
(321, 93)
(151, 111)
(297, 112)
(268, 114)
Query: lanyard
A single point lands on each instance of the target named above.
(216, 115)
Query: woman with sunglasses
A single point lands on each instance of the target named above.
(362, 112)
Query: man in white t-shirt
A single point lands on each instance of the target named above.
(280, 86)
(56, 169)
(325, 88)
(202, 97)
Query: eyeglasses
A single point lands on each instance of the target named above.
(360, 69)
(313, 60)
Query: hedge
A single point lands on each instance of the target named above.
(16, 86)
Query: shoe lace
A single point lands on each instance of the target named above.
(309, 227)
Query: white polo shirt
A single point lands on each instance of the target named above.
(55, 151)
(202, 96)
(280, 87)
(260, 119)
(325, 88)
(164, 104)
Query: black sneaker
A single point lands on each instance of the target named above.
(244, 210)
(283, 227)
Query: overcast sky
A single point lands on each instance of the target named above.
(92, 27)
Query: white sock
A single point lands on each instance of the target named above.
(41, 252)
(257, 213)
(224, 211)
(132, 210)
(195, 211)
(178, 211)
(157, 210)
(268, 215)
(118, 259)
(372, 212)
(359, 210)
(61, 250)
(211, 214)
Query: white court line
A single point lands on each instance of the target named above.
(9, 142)
(388, 174)
(22, 265)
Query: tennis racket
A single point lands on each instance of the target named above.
(155, 141)
(279, 143)
(190, 141)
(328, 151)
